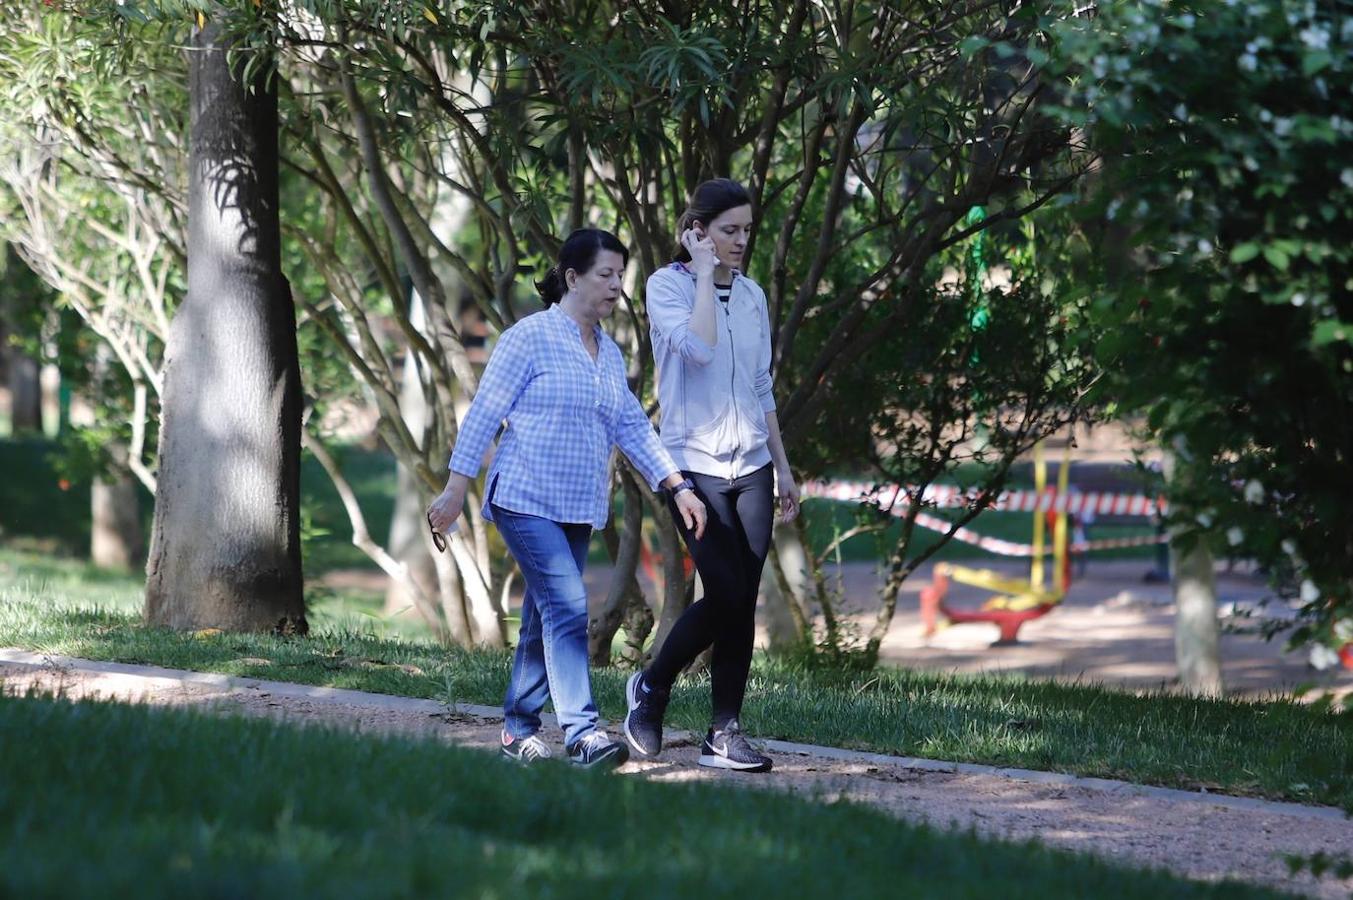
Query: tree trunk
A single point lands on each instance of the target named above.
(22, 374)
(677, 590)
(25, 392)
(785, 584)
(407, 544)
(1196, 632)
(624, 593)
(226, 540)
(116, 538)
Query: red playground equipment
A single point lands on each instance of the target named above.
(1017, 601)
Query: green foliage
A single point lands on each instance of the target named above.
(1226, 142)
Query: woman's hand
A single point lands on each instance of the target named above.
(701, 248)
(450, 503)
(692, 510)
(789, 495)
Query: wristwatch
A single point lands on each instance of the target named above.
(684, 484)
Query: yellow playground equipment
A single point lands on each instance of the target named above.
(1016, 600)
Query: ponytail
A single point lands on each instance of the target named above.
(552, 288)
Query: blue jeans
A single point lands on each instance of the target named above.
(551, 659)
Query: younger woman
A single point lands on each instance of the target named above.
(711, 339)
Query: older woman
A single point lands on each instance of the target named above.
(711, 340)
(556, 381)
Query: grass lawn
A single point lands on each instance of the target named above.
(1273, 749)
(110, 800)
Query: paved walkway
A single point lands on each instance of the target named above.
(1196, 835)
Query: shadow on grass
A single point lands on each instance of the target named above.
(160, 803)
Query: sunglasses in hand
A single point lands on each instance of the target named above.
(439, 539)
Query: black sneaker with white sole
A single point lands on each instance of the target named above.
(728, 748)
(643, 722)
(524, 750)
(596, 750)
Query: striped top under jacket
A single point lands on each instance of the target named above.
(564, 412)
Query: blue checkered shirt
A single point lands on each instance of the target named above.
(564, 412)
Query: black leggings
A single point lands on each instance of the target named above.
(729, 558)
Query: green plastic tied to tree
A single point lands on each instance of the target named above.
(977, 270)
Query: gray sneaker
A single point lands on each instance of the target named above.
(596, 750)
(524, 750)
(643, 720)
(728, 748)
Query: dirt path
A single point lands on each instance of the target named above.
(1196, 836)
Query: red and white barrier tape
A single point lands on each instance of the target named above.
(948, 497)
(889, 499)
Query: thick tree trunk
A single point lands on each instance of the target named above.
(116, 538)
(1196, 631)
(226, 541)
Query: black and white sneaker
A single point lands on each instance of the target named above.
(596, 750)
(727, 748)
(643, 722)
(524, 750)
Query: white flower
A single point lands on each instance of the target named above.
(1343, 630)
(1204, 519)
(1205, 247)
(1289, 547)
(1315, 38)
(1249, 62)
(1323, 657)
(1298, 299)
(1309, 592)
(1234, 536)
(1254, 491)
(1187, 20)
(1282, 126)
(1346, 176)
(1181, 112)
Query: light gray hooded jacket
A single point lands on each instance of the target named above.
(714, 400)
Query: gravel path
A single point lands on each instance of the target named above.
(1196, 836)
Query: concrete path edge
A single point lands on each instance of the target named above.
(170, 677)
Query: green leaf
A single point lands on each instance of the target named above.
(1245, 252)
(972, 44)
(1314, 61)
(1276, 257)
(1331, 331)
